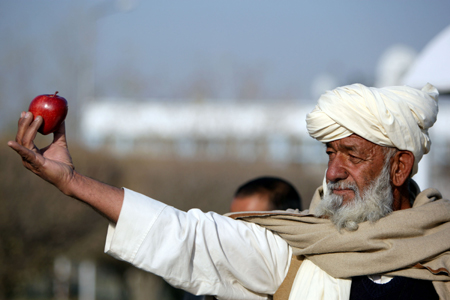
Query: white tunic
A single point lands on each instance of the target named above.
(202, 253)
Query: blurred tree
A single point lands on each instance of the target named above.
(37, 222)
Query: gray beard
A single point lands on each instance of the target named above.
(373, 205)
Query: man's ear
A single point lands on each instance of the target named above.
(401, 166)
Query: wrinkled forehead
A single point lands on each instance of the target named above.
(355, 142)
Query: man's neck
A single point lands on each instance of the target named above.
(401, 198)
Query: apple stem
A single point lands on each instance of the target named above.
(55, 93)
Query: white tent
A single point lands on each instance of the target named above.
(432, 64)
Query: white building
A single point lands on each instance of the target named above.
(275, 132)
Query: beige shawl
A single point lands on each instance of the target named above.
(413, 242)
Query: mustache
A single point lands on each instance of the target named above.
(341, 185)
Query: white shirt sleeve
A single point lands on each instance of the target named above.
(202, 253)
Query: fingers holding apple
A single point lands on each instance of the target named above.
(52, 163)
(26, 133)
(24, 142)
(27, 129)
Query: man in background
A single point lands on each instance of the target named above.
(261, 194)
(265, 194)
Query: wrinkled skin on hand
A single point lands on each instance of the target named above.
(52, 163)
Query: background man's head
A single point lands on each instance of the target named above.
(264, 194)
(375, 139)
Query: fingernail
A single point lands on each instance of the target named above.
(22, 114)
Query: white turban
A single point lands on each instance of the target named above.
(397, 116)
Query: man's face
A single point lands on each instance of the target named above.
(353, 160)
(255, 202)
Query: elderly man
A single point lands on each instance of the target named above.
(369, 233)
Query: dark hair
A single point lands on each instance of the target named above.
(281, 193)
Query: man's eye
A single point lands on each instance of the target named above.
(355, 159)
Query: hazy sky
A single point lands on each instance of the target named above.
(171, 46)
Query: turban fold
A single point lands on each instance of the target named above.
(397, 116)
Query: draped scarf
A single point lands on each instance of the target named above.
(413, 242)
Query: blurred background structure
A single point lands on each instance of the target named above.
(183, 101)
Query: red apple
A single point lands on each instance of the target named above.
(52, 108)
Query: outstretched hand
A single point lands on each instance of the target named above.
(52, 163)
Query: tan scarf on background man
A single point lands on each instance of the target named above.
(413, 243)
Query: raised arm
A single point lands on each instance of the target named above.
(203, 253)
(54, 164)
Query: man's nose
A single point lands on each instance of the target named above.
(336, 169)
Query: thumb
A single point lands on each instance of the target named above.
(59, 136)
